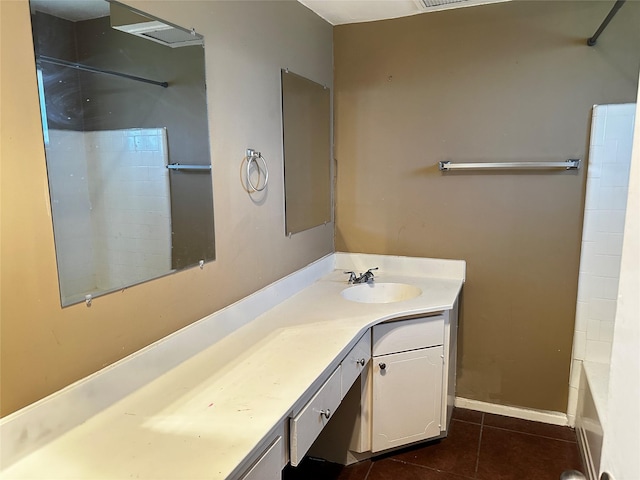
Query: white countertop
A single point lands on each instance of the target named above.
(207, 416)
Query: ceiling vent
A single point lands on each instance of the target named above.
(428, 4)
(127, 21)
(435, 5)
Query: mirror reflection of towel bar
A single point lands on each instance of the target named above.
(572, 164)
(88, 68)
(177, 166)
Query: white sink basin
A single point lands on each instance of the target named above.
(380, 292)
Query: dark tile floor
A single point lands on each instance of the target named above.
(479, 446)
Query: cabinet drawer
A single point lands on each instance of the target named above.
(407, 335)
(269, 465)
(355, 362)
(307, 425)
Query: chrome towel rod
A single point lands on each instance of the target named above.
(177, 166)
(572, 164)
(88, 68)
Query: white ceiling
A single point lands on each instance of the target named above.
(74, 10)
(338, 12)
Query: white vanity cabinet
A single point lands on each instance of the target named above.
(407, 385)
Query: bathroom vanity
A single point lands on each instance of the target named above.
(255, 384)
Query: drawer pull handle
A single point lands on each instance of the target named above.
(361, 362)
(325, 413)
(382, 366)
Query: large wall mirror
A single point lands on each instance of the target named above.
(306, 122)
(124, 118)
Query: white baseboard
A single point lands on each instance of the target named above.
(544, 416)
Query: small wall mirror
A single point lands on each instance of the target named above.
(125, 126)
(306, 121)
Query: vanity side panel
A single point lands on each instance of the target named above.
(361, 437)
(450, 365)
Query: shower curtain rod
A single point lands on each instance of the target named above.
(87, 68)
(592, 41)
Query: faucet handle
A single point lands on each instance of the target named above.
(352, 276)
(368, 275)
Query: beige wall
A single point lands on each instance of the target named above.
(505, 82)
(45, 347)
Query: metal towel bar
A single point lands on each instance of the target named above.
(177, 166)
(572, 164)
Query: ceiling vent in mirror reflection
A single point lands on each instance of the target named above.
(128, 21)
(435, 5)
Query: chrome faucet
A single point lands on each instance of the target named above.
(366, 277)
(352, 277)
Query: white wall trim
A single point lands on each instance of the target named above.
(544, 416)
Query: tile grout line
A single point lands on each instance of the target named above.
(475, 472)
(368, 471)
(431, 469)
(466, 421)
(532, 434)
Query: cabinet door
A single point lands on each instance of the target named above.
(407, 397)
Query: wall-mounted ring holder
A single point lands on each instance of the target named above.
(253, 157)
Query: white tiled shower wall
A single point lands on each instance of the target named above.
(605, 206)
(71, 207)
(111, 190)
